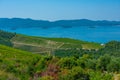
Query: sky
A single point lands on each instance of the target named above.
(61, 9)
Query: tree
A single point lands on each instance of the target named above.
(114, 65)
(67, 62)
(103, 61)
(76, 73)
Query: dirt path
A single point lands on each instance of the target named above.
(117, 77)
(60, 45)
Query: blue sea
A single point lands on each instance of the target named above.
(100, 34)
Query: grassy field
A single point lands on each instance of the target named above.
(14, 63)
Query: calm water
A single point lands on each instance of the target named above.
(92, 34)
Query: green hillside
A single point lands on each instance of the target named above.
(14, 63)
(43, 44)
(21, 65)
(65, 59)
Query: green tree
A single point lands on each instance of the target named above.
(102, 62)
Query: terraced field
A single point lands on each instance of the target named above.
(42, 44)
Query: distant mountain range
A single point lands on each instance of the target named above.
(15, 23)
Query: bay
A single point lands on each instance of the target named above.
(100, 34)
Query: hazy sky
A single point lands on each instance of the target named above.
(61, 9)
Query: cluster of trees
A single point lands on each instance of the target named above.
(5, 38)
(99, 64)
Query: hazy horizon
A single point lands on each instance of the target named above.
(53, 10)
(58, 19)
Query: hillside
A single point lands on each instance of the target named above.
(42, 44)
(14, 63)
(94, 65)
(15, 23)
(65, 59)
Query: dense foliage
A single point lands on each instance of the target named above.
(5, 38)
